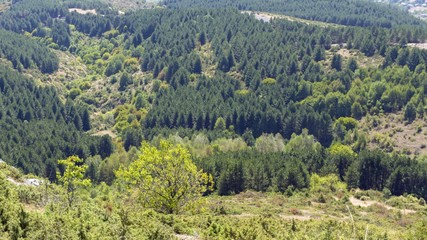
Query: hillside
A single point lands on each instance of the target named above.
(253, 119)
(328, 211)
(345, 12)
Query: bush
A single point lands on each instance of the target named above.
(115, 65)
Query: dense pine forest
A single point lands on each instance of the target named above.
(212, 119)
(345, 12)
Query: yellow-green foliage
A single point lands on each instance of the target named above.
(326, 184)
(128, 116)
(348, 122)
(131, 64)
(74, 92)
(302, 142)
(243, 92)
(229, 145)
(10, 171)
(107, 212)
(166, 178)
(73, 177)
(9, 210)
(111, 34)
(408, 201)
(200, 146)
(339, 149)
(384, 141)
(269, 81)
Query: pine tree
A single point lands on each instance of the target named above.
(197, 66)
(202, 38)
(86, 120)
(352, 64)
(410, 112)
(78, 122)
(336, 62)
(105, 146)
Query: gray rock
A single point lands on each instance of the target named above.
(33, 182)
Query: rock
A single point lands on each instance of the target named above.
(33, 182)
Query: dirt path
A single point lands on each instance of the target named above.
(368, 203)
(186, 237)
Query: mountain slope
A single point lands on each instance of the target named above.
(345, 12)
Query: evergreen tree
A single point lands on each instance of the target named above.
(410, 112)
(86, 120)
(352, 64)
(336, 62)
(105, 146)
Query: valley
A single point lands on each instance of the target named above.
(186, 119)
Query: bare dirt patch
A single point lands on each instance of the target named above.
(5, 5)
(124, 5)
(83, 11)
(186, 237)
(267, 17)
(344, 52)
(417, 9)
(105, 132)
(418, 45)
(362, 60)
(368, 203)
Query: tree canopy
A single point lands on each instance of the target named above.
(166, 178)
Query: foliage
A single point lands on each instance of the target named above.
(329, 183)
(35, 54)
(73, 177)
(345, 12)
(167, 179)
(108, 214)
(256, 110)
(235, 172)
(37, 128)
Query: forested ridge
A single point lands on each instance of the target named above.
(345, 12)
(142, 124)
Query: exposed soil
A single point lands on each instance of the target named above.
(4, 6)
(83, 11)
(186, 237)
(124, 5)
(267, 17)
(105, 132)
(418, 45)
(368, 203)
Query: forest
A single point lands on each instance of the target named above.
(38, 129)
(344, 12)
(178, 116)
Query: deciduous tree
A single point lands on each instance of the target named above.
(167, 179)
(73, 177)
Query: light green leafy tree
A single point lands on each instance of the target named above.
(166, 178)
(73, 177)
